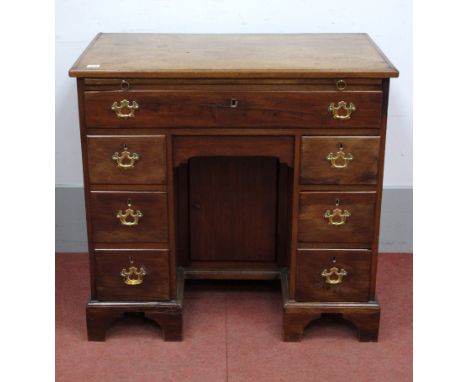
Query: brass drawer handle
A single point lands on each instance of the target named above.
(125, 105)
(125, 159)
(124, 85)
(133, 276)
(129, 212)
(341, 84)
(335, 110)
(334, 275)
(340, 159)
(338, 216)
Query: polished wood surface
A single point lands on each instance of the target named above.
(232, 55)
(234, 135)
(150, 168)
(110, 285)
(187, 147)
(227, 108)
(360, 170)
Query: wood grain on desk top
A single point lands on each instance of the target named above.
(134, 55)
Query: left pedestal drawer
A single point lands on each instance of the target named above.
(132, 275)
(129, 217)
(127, 159)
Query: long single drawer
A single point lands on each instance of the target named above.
(127, 275)
(129, 217)
(333, 275)
(339, 160)
(336, 217)
(123, 159)
(169, 108)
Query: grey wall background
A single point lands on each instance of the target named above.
(78, 21)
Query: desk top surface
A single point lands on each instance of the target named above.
(140, 55)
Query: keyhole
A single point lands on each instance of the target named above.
(130, 259)
(234, 103)
(337, 202)
(333, 259)
(125, 147)
(340, 146)
(129, 202)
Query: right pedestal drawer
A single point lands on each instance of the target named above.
(336, 217)
(339, 160)
(333, 275)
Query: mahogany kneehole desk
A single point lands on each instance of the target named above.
(233, 157)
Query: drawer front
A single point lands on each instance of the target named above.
(127, 159)
(339, 160)
(115, 221)
(233, 109)
(333, 275)
(336, 217)
(132, 275)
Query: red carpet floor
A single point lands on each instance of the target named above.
(232, 333)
